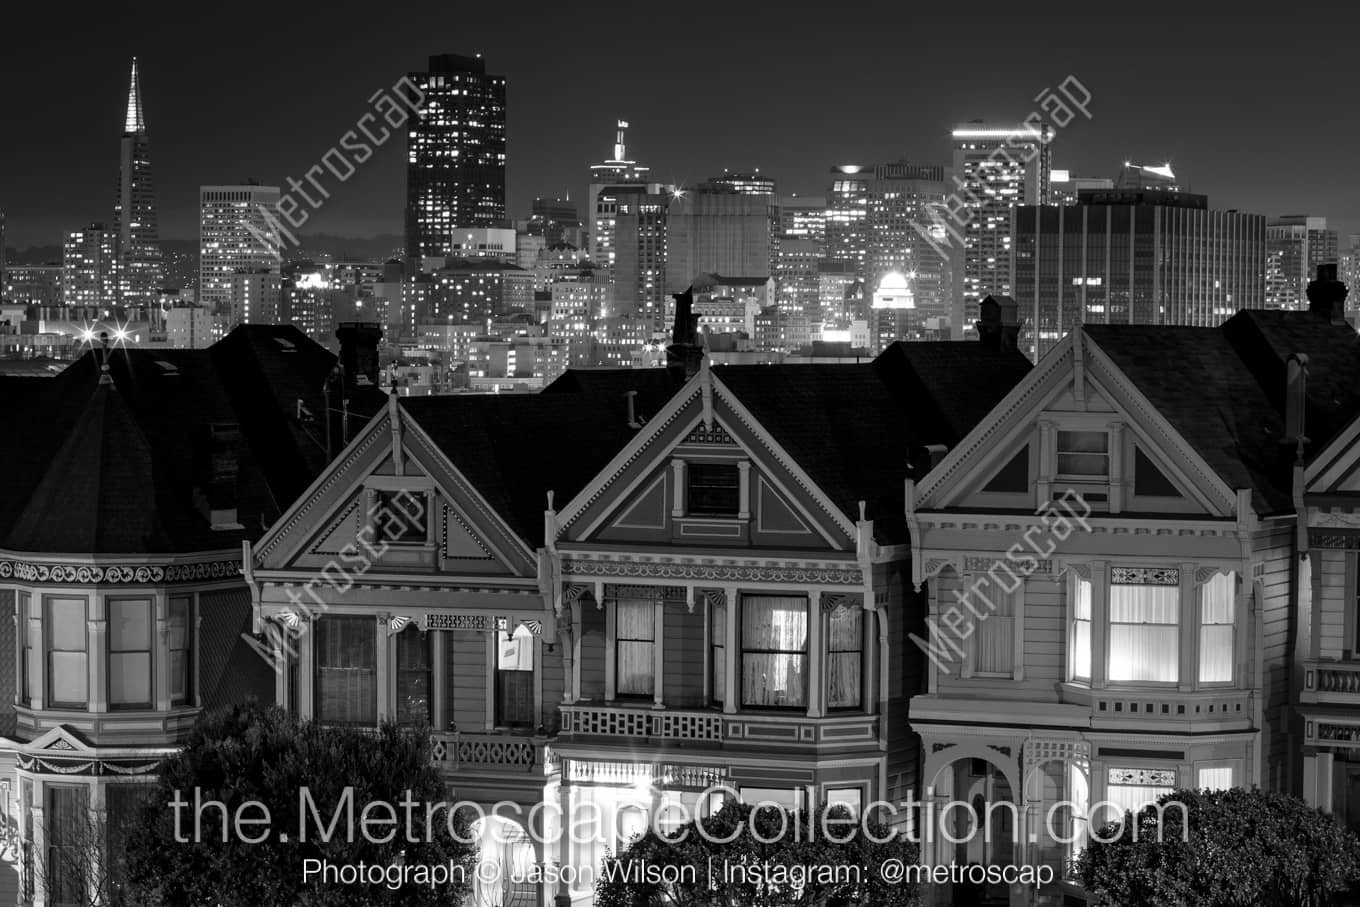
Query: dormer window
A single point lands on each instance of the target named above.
(1084, 456)
(713, 489)
(399, 517)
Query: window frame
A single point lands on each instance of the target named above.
(499, 705)
(693, 467)
(1015, 599)
(1201, 624)
(317, 668)
(620, 640)
(150, 651)
(717, 650)
(190, 697)
(426, 642)
(49, 702)
(1073, 646)
(805, 653)
(859, 652)
(1178, 625)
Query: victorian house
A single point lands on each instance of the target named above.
(129, 483)
(1110, 562)
(637, 590)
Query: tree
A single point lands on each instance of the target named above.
(745, 856)
(306, 776)
(1221, 849)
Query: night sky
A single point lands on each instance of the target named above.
(1249, 110)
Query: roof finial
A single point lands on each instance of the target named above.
(104, 376)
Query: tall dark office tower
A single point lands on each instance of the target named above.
(455, 165)
(905, 200)
(138, 257)
(847, 216)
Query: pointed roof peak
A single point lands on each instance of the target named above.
(135, 124)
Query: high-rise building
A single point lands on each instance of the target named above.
(1349, 270)
(1133, 177)
(796, 276)
(38, 285)
(847, 216)
(89, 267)
(996, 167)
(639, 246)
(455, 170)
(551, 218)
(803, 217)
(138, 265)
(1133, 257)
(234, 238)
(751, 183)
(608, 179)
(1064, 188)
(1295, 245)
(905, 200)
(715, 229)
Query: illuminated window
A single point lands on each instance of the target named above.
(514, 679)
(774, 653)
(67, 665)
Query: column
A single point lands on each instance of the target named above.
(39, 856)
(279, 656)
(306, 670)
(678, 488)
(439, 719)
(20, 618)
(658, 655)
(96, 655)
(1189, 628)
(1100, 623)
(611, 650)
(1046, 461)
(1116, 467)
(744, 490)
(816, 701)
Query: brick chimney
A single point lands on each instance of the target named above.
(1327, 295)
(686, 351)
(359, 353)
(999, 324)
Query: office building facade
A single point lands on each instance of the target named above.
(234, 238)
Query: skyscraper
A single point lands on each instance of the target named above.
(1133, 257)
(1064, 188)
(455, 166)
(714, 228)
(607, 180)
(901, 199)
(995, 169)
(138, 254)
(1295, 245)
(89, 270)
(233, 240)
(640, 264)
(847, 216)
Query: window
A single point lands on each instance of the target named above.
(634, 646)
(993, 637)
(514, 679)
(130, 653)
(1133, 788)
(68, 841)
(1144, 626)
(774, 631)
(718, 659)
(1083, 454)
(347, 671)
(1216, 650)
(413, 676)
(399, 517)
(27, 679)
(714, 489)
(1081, 628)
(181, 650)
(1214, 777)
(844, 658)
(67, 670)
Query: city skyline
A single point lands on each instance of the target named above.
(896, 107)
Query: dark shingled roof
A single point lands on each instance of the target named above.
(1223, 389)
(853, 427)
(119, 468)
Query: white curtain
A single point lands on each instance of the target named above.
(635, 631)
(994, 632)
(1215, 778)
(1216, 629)
(774, 632)
(844, 658)
(1128, 796)
(1081, 628)
(1144, 633)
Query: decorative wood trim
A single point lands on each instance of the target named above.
(48, 572)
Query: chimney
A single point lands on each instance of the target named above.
(359, 353)
(1327, 295)
(999, 325)
(686, 351)
(217, 492)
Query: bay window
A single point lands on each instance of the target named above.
(347, 671)
(774, 651)
(1216, 649)
(414, 676)
(514, 680)
(1144, 625)
(1081, 628)
(28, 680)
(68, 673)
(130, 653)
(845, 658)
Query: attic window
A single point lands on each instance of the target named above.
(714, 489)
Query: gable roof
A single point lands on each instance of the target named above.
(117, 468)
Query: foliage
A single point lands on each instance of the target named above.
(802, 847)
(252, 753)
(1221, 849)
